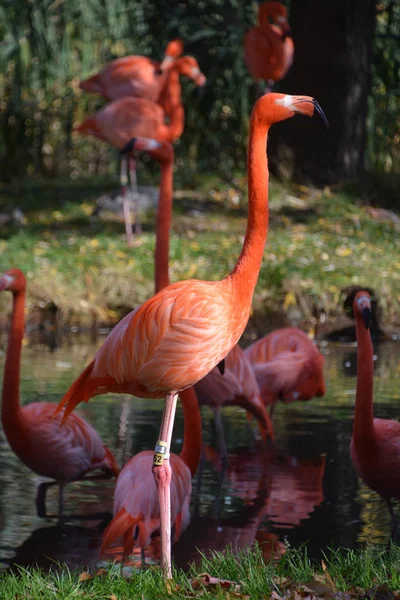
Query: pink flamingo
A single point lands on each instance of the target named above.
(174, 339)
(62, 454)
(288, 366)
(268, 51)
(133, 75)
(136, 508)
(375, 444)
(238, 387)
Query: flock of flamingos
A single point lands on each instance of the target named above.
(184, 340)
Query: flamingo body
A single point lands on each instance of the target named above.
(120, 121)
(133, 76)
(287, 366)
(238, 386)
(268, 51)
(169, 343)
(64, 454)
(136, 507)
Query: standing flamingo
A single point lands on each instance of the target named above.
(133, 75)
(174, 339)
(63, 454)
(268, 51)
(288, 366)
(375, 444)
(120, 121)
(136, 508)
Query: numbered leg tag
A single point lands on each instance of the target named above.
(160, 453)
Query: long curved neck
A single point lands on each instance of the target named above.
(363, 425)
(245, 274)
(163, 226)
(176, 124)
(10, 409)
(191, 449)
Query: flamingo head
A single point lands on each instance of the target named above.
(272, 108)
(276, 13)
(13, 280)
(188, 66)
(362, 307)
(173, 51)
(160, 151)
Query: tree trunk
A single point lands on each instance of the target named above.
(332, 62)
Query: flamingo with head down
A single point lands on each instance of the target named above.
(174, 339)
(288, 366)
(62, 454)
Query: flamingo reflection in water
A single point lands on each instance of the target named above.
(279, 489)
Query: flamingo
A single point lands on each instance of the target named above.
(288, 366)
(133, 75)
(136, 508)
(174, 339)
(62, 454)
(375, 444)
(239, 387)
(268, 51)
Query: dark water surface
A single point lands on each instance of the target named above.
(304, 490)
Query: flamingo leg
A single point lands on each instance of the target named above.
(271, 410)
(220, 435)
(134, 194)
(394, 519)
(41, 498)
(162, 476)
(142, 558)
(126, 207)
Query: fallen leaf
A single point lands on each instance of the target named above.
(85, 576)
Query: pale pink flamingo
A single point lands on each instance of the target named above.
(375, 444)
(288, 366)
(63, 454)
(174, 339)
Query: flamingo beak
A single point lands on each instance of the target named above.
(3, 284)
(366, 315)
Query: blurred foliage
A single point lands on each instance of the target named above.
(49, 45)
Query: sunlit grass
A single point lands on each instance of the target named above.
(318, 243)
(244, 575)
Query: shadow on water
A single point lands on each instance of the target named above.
(301, 490)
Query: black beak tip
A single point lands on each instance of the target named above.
(129, 147)
(321, 113)
(366, 315)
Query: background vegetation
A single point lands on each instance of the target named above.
(49, 45)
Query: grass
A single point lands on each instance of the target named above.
(369, 572)
(319, 243)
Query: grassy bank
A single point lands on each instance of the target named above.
(319, 243)
(343, 574)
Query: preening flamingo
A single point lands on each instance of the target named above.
(288, 366)
(62, 454)
(268, 51)
(133, 75)
(375, 444)
(174, 339)
(136, 507)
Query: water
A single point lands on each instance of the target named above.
(304, 490)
